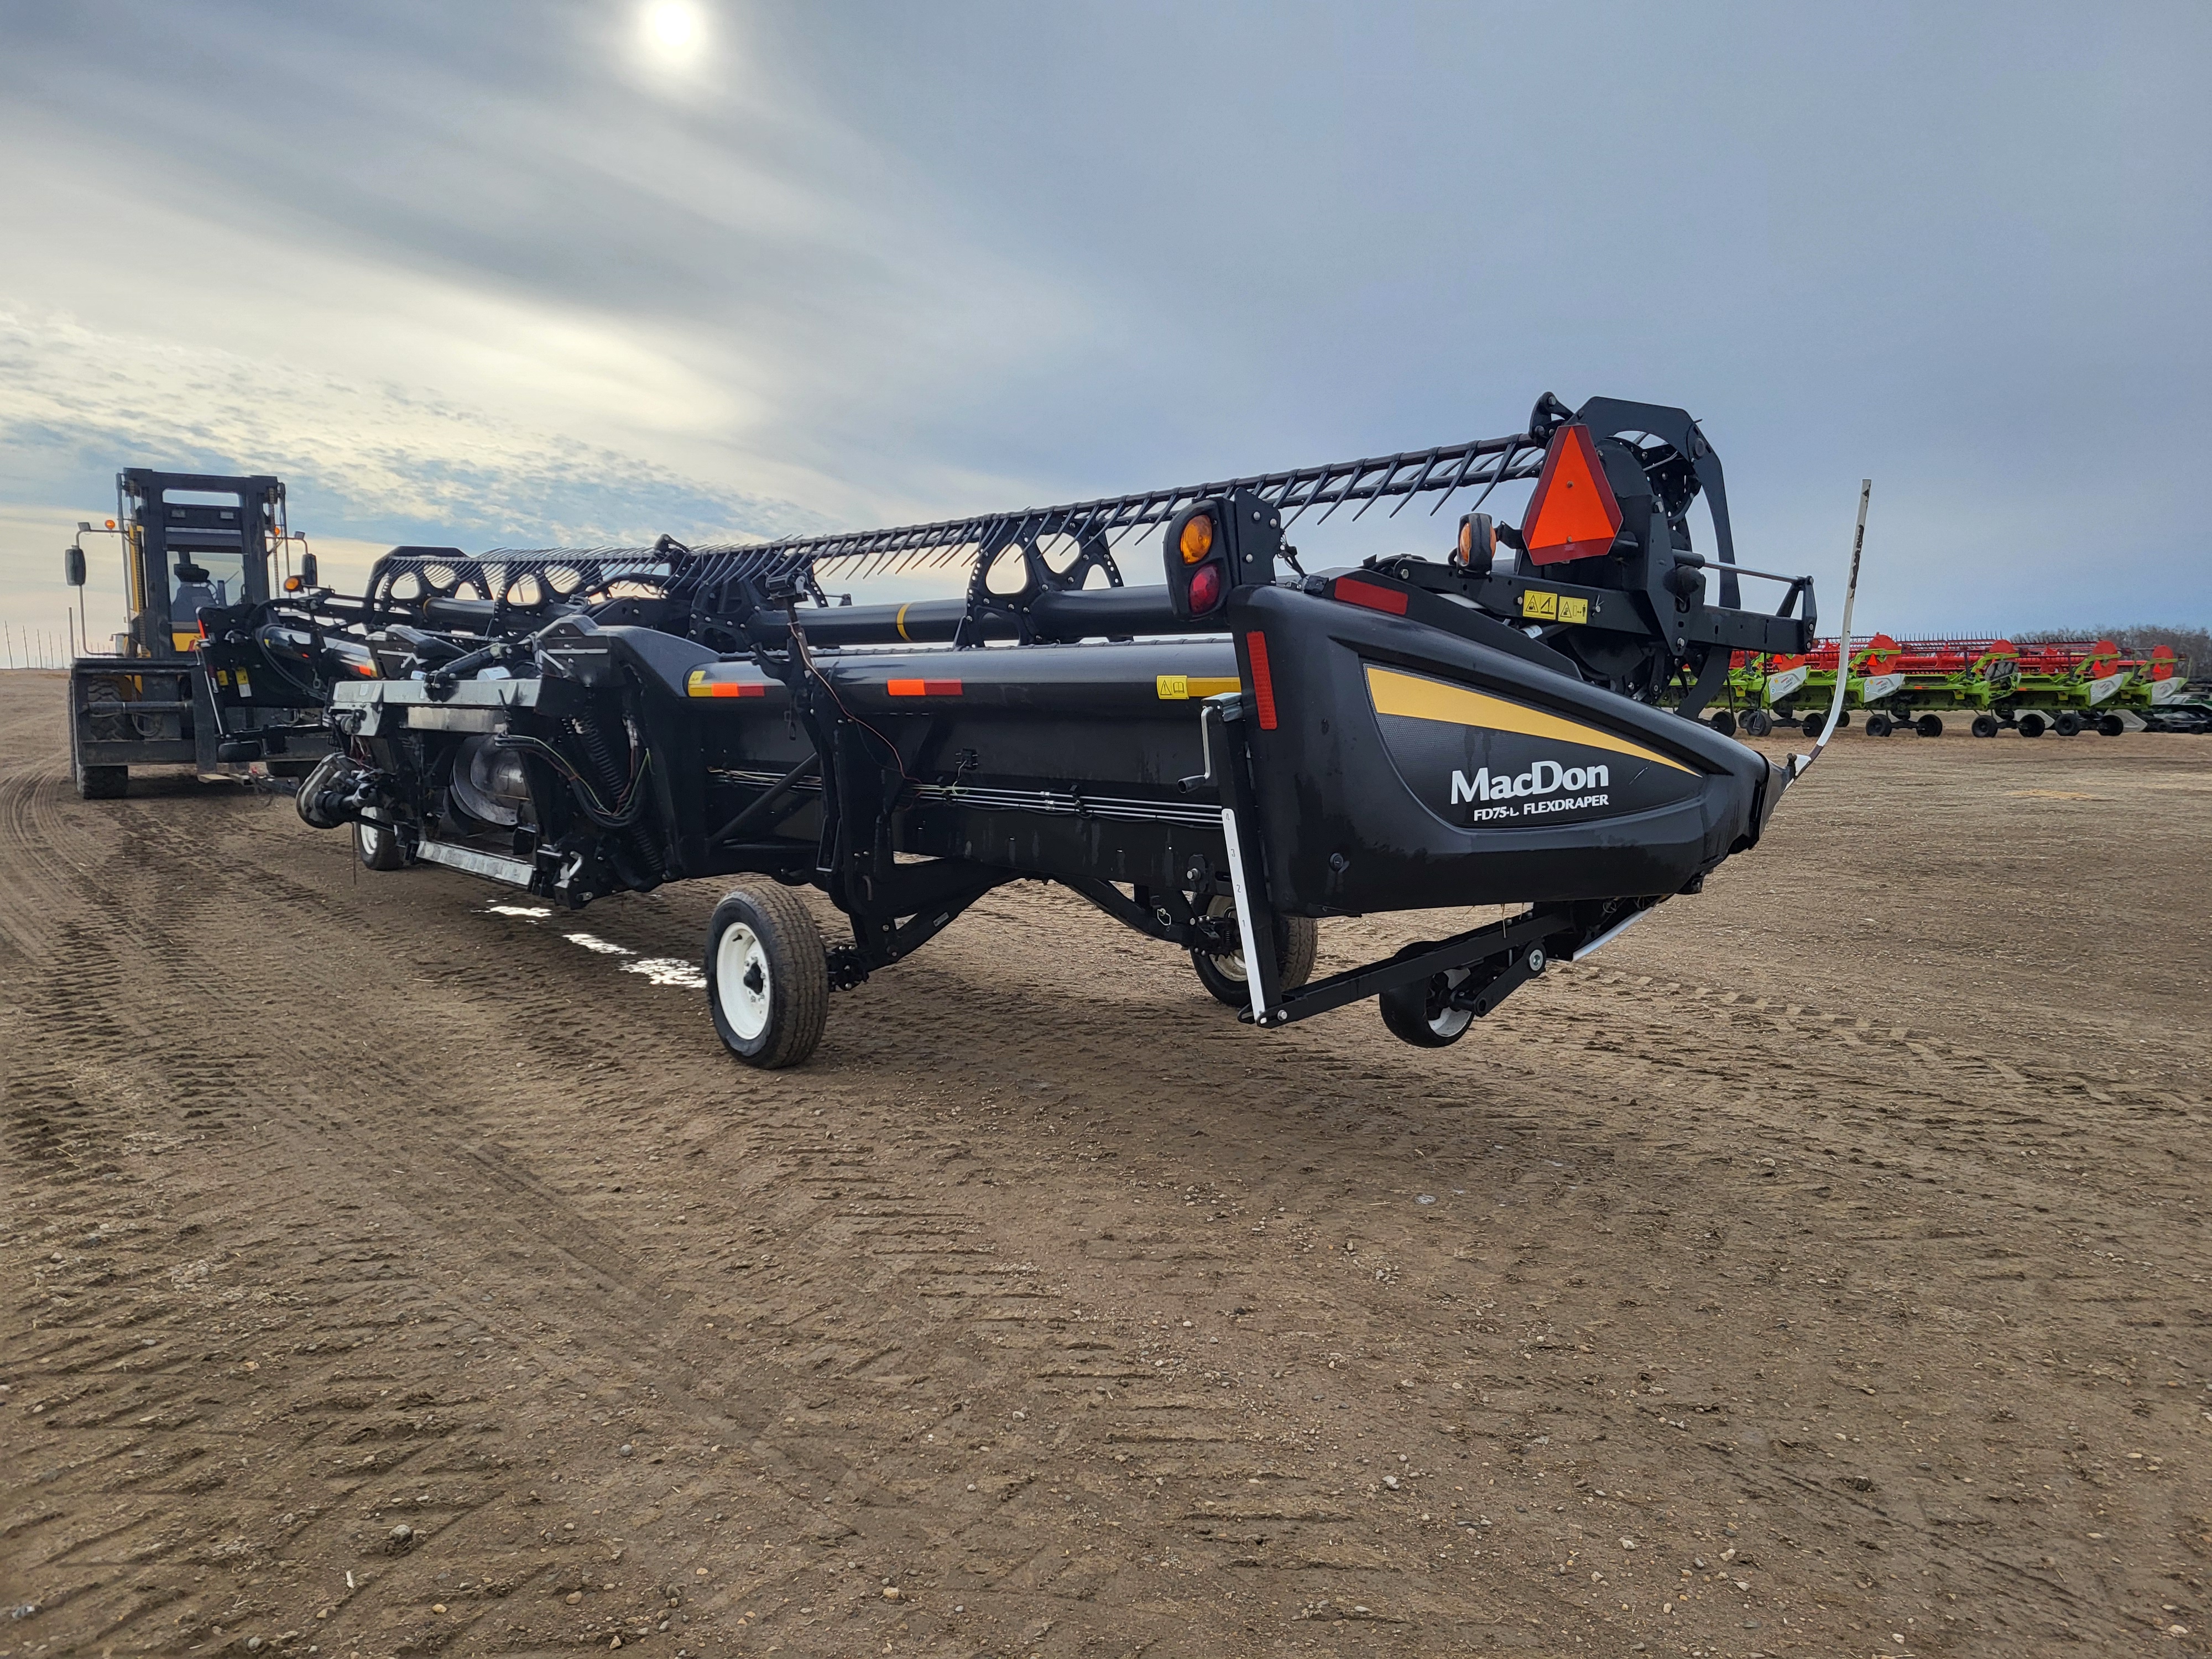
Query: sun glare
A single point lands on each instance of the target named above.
(673, 26)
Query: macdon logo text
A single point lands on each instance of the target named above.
(1544, 778)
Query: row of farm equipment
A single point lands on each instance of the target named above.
(2063, 686)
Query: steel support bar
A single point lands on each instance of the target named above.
(758, 808)
(1420, 962)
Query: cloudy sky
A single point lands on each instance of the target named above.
(581, 270)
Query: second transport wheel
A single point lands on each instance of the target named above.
(378, 846)
(767, 977)
(1297, 940)
(1880, 725)
(1422, 1013)
(1986, 725)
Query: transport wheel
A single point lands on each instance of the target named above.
(2068, 725)
(1758, 722)
(1928, 725)
(2111, 726)
(1725, 722)
(1880, 725)
(767, 977)
(1421, 1013)
(102, 782)
(2031, 726)
(1814, 724)
(1298, 938)
(378, 846)
(1984, 725)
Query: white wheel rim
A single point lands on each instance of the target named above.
(740, 965)
(1230, 965)
(1452, 1021)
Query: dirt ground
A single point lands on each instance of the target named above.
(1820, 1270)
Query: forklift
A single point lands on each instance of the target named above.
(192, 541)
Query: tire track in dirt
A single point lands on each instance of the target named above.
(1022, 1165)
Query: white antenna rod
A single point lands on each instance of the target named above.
(1799, 764)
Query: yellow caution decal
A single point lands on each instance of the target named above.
(1178, 688)
(1541, 604)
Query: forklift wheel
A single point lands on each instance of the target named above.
(767, 977)
(103, 783)
(1421, 1013)
(1297, 940)
(379, 845)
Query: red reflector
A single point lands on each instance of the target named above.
(1353, 591)
(925, 688)
(1263, 682)
(1573, 514)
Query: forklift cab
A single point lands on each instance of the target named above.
(191, 541)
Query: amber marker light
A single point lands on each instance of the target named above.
(1197, 538)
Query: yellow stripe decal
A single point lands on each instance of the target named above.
(900, 621)
(1422, 699)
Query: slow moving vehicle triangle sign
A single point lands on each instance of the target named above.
(1573, 514)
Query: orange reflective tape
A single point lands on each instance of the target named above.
(924, 687)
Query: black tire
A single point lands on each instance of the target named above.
(102, 782)
(1986, 725)
(2068, 725)
(1298, 940)
(1813, 726)
(764, 949)
(378, 846)
(1725, 722)
(1880, 725)
(2112, 725)
(1420, 1014)
(1758, 723)
(2032, 725)
(1928, 725)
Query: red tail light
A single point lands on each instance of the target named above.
(1205, 586)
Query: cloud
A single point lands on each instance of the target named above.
(365, 452)
(496, 271)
